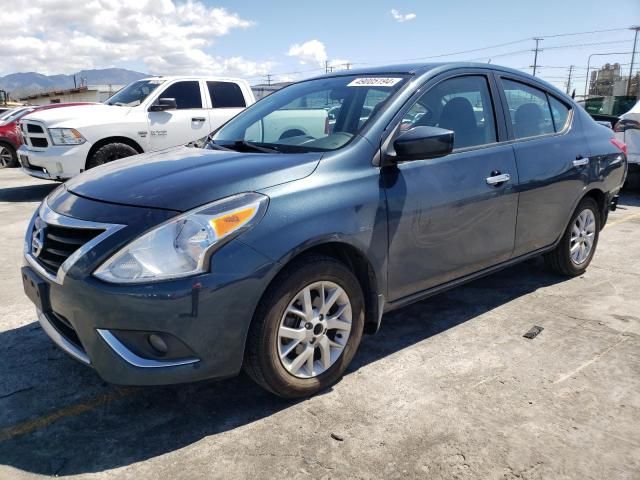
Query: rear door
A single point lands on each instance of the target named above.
(227, 100)
(552, 157)
(185, 124)
(451, 216)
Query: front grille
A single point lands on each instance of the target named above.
(60, 243)
(34, 134)
(32, 128)
(64, 328)
(39, 142)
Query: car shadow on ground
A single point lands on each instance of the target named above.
(28, 193)
(58, 418)
(629, 199)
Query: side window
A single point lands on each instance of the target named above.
(461, 104)
(187, 94)
(226, 95)
(560, 113)
(528, 109)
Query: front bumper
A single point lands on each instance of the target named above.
(210, 314)
(206, 317)
(57, 162)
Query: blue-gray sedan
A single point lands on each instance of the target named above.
(290, 234)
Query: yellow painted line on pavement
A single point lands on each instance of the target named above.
(628, 218)
(70, 411)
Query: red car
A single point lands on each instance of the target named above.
(10, 139)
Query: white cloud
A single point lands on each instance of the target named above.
(163, 36)
(313, 52)
(402, 17)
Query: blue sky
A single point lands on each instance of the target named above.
(367, 32)
(253, 38)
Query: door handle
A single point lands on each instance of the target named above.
(198, 119)
(580, 161)
(499, 179)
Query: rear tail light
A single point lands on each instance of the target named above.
(621, 145)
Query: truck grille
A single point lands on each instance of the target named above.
(34, 134)
(59, 243)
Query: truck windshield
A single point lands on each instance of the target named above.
(315, 115)
(134, 93)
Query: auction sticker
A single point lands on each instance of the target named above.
(374, 82)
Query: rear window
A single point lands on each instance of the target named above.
(560, 113)
(528, 109)
(226, 95)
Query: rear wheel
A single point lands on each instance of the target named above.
(110, 152)
(306, 329)
(575, 251)
(8, 156)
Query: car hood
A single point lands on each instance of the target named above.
(78, 115)
(183, 178)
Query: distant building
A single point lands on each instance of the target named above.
(602, 81)
(88, 93)
(264, 89)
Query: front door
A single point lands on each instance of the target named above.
(451, 216)
(189, 122)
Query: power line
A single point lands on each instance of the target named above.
(327, 67)
(584, 33)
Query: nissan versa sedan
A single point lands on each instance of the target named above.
(276, 256)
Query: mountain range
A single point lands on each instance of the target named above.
(17, 84)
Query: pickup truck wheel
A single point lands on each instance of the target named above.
(109, 153)
(575, 251)
(307, 328)
(8, 156)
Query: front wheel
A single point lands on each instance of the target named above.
(8, 156)
(307, 328)
(575, 251)
(110, 152)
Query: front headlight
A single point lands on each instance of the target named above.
(181, 246)
(66, 136)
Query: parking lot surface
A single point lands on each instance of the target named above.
(449, 387)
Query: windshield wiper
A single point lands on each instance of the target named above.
(254, 147)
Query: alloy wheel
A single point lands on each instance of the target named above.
(314, 329)
(5, 156)
(583, 235)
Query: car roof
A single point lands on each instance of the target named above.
(416, 69)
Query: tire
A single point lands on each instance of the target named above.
(560, 259)
(291, 134)
(8, 156)
(110, 152)
(265, 340)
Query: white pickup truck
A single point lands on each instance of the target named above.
(147, 115)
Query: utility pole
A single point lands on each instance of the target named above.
(569, 79)
(535, 57)
(326, 66)
(348, 65)
(269, 77)
(633, 57)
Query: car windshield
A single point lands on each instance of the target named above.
(135, 93)
(11, 115)
(316, 115)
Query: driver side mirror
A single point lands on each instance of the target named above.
(163, 104)
(421, 143)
